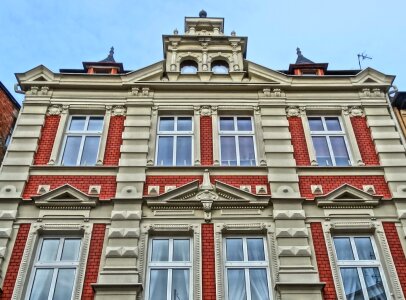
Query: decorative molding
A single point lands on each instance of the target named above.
(293, 111)
(267, 92)
(289, 214)
(44, 90)
(119, 110)
(170, 227)
(5, 232)
(55, 110)
(205, 110)
(8, 214)
(299, 251)
(126, 215)
(356, 111)
(278, 93)
(174, 212)
(141, 92)
(252, 227)
(350, 226)
(124, 232)
(123, 252)
(292, 232)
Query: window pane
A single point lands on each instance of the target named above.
(234, 250)
(90, 149)
(247, 152)
(184, 124)
(228, 153)
(259, 284)
(343, 248)
(165, 151)
(236, 284)
(95, 124)
(227, 124)
(181, 249)
(374, 283)
(160, 250)
(219, 69)
(255, 248)
(322, 152)
(364, 248)
(71, 152)
(315, 124)
(49, 250)
(184, 151)
(42, 283)
(71, 249)
(340, 151)
(64, 284)
(333, 124)
(244, 124)
(77, 124)
(180, 284)
(352, 286)
(166, 124)
(188, 70)
(158, 284)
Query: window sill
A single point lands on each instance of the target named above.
(340, 170)
(73, 170)
(198, 170)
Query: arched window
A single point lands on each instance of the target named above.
(219, 67)
(188, 67)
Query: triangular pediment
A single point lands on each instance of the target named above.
(348, 195)
(149, 73)
(372, 77)
(65, 196)
(38, 74)
(261, 74)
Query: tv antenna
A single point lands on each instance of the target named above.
(362, 56)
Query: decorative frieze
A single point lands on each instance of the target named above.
(141, 92)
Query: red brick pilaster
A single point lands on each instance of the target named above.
(93, 260)
(206, 141)
(300, 152)
(365, 142)
(323, 262)
(208, 264)
(114, 141)
(46, 142)
(398, 254)
(15, 260)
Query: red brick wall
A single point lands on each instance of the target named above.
(93, 260)
(301, 154)
(330, 183)
(398, 253)
(182, 180)
(107, 183)
(114, 141)
(7, 118)
(208, 264)
(323, 262)
(206, 141)
(15, 260)
(364, 140)
(47, 139)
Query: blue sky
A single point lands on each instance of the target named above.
(62, 34)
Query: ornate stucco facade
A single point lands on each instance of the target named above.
(263, 181)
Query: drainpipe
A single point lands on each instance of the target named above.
(18, 89)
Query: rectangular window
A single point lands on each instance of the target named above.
(246, 268)
(237, 146)
(170, 269)
(359, 267)
(329, 141)
(54, 270)
(174, 142)
(82, 141)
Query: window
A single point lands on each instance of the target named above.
(188, 67)
(219, 67)
(54, 270)
(329, 141)
(82, 140)
(359, 267)
(175, 135)
(237, 147)
(169, 269)
(246, 268)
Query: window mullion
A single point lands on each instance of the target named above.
(247, 283)
(169, 285)
(362, 281)
(82, 143)
(175, 140)
(237, 150)
(330, 149)
(53, 284)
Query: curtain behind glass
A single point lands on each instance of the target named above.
(352, 285)
(374, 284)
(42, 284)
(180, 284)
(158, 285)
(236, 284)
(259, 284)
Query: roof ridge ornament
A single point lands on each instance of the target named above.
(203, 14)
(110, 57)
(301, 59)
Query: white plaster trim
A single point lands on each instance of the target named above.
(123, 252)
(308, 137)
(59, 135)
(352, 140)
(298, 251)
(8, 214)
(215, 133)
(34, 235)
(196, 133)
(152, 137)
(126, 215)
(289, 214)
(123, 232)
(292, 232)
(104, 135)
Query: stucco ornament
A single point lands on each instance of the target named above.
(119, 110)
(205, 110)
(207, 195)
(356, 111)
(293, 111)
(55, 110)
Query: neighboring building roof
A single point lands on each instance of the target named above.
(10, 96)
(399, 100)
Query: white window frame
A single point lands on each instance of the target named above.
(83, 134)
(175, 134)
(237, 134)
(246, 265)
(328, 134)
(56, 265)
(170, 265)
(359, 264)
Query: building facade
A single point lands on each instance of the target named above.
(9, 108)
(204, 176)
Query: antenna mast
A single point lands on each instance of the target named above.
(362, 56)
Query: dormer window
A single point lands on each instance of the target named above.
(188, 67)
(219, 67)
